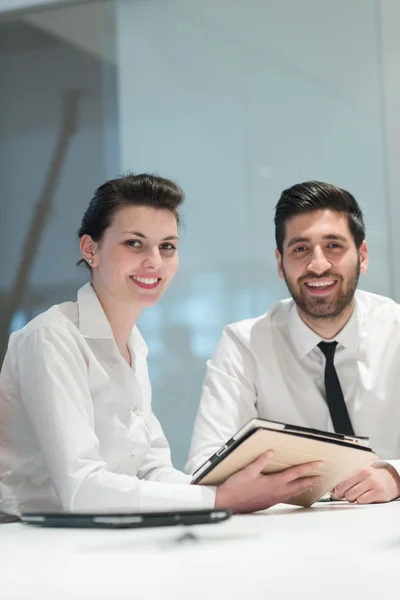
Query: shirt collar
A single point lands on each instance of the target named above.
(94, 324)
(305, 340)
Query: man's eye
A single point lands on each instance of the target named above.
(334, 245)
(299, 249)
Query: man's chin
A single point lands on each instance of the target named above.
(321, 310)
(321, 315)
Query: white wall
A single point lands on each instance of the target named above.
(238, 100)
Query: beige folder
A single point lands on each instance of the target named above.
(340, 459)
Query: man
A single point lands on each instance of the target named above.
(275, 367)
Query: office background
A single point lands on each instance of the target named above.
(236, 100)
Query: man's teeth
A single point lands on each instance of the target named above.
(320, 283)
(145, 280)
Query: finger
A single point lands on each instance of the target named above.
(333, 493)
(296, 487)
(298, 471)
(358, 490)
(346, 484)
(336, 495)
(369, 497)
(259, 464)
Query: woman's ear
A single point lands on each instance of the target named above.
(88, 249)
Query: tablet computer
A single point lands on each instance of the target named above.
(126, 519)
(292, 445)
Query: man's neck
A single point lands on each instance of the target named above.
(328, 328)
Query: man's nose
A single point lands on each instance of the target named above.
(319, 263)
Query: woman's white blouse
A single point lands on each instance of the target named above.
(76, 427)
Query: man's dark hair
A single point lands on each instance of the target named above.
(316, 195)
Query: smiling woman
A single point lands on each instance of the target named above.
(77, 431)
(129, 238)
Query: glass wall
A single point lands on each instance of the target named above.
(236, 100)
(59, 140)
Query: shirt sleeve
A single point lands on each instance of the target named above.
(157, 465)
(53, 384)
(228, 399)
(395, 464)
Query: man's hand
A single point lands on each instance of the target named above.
(372, 483)
(250, 490)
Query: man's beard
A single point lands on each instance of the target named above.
(324, 307)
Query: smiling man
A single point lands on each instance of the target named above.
(328, 358)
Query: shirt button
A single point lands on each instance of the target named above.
(137, 412)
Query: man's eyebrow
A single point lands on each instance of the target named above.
(298, 240)
(334, 236)
(328, 236)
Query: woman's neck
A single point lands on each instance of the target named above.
(121, 315)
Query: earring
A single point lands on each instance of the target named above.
(90, 261)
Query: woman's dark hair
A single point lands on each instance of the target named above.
(316, 195)
(129, 190)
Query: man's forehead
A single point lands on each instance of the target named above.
(317, 223)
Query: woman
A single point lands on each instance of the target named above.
(77, 429)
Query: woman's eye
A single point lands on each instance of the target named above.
(138, 244)
(133, 243)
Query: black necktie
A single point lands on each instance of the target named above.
(334, 395)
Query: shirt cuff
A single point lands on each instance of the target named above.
(393, 466)
(166, 496)
(383, 464)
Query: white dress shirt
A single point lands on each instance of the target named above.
(270, 367)
(76, 427)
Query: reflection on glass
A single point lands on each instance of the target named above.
(57, 123)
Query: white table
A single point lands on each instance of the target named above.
(331, 551)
